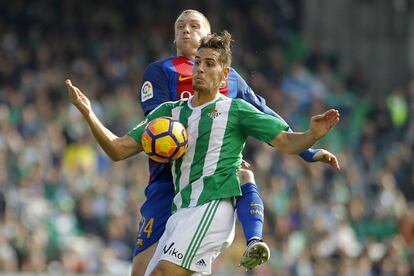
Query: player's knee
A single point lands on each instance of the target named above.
(139, 265)
(141, 261)
(246, 176)
(159, 270)
(164, 268)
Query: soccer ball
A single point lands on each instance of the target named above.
(164, 139)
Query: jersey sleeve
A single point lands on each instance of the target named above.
(257, 124)
(162, 110)
(154, 89)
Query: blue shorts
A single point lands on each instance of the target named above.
(154, 214)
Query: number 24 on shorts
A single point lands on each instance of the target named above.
(146, 227)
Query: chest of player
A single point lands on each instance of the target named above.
(213, 123)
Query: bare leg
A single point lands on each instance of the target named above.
(140, 261)
(165, 268)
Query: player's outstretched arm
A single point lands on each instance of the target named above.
(245, 92)
(117, 148)
(295, 142)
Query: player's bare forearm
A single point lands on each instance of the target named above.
(296, 142)
(293, 142)
(117, 148)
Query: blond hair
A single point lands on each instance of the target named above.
(190, 11)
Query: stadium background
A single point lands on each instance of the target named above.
(65, 207)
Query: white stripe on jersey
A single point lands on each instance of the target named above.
(218, 129)
(192, 131)
(176, 112)
(176, 115)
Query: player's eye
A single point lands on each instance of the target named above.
(197, 62)
(195, 26)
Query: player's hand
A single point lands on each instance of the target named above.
(245, 174)
(245, 165)
(327, 157)
(78, 98)
(321, 124)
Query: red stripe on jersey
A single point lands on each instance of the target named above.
(183, 67)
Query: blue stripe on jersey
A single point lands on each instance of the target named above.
(169, 69)
(232, 83)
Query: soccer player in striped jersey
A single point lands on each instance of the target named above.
(205, 178)
(169, 79)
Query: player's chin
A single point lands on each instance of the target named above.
(197, 86)
(187, 44)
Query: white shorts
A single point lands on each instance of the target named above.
(195, 236)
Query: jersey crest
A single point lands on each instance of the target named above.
(213, 114)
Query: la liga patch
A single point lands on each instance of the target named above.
(146, 91)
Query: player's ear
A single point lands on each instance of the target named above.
(226, 72)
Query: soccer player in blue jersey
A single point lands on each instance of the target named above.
(170, 79)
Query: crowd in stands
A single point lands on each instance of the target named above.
(65, 207)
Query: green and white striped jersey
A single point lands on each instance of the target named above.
(217, 132)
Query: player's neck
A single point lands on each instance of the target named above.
(201, 98)
(186, 54)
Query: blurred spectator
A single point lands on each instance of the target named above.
(66, 208)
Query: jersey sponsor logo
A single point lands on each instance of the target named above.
(201, 262)
(213, 114)
(256, 212)
(182, 78)
(146, 91)
(185, 95)
(172, 251)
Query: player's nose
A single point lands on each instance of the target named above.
(186, 29)
(200, 68)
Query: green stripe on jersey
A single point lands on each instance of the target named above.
(183, 183)
(217, 139)
(202, 146)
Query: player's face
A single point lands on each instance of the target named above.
(208, 72)
(189, 29)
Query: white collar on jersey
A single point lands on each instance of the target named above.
(203, 105)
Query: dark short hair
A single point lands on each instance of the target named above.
(221, 43)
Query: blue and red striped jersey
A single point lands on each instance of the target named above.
(169, 79)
